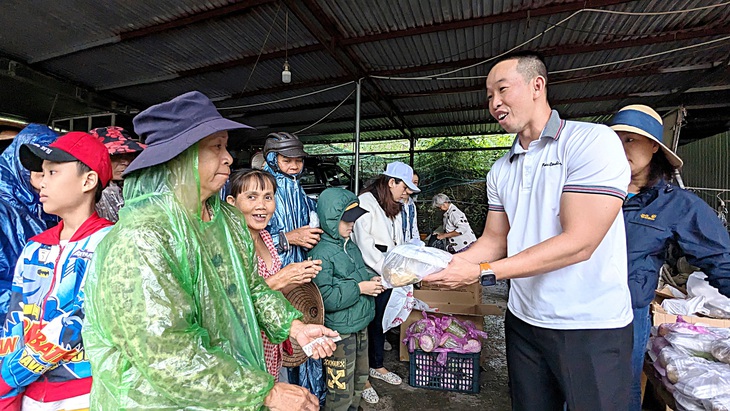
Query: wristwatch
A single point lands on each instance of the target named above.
(486, 275)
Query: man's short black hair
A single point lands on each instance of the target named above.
(529, 63)
(83, 168)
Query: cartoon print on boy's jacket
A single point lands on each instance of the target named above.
(47, 313)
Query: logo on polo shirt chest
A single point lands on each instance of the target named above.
(552, 164)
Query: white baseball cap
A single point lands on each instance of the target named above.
(402, 171)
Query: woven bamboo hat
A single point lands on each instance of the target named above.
(307, 299)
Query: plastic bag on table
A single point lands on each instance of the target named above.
(408, 264)
(681, 327)
(669, 354)
(707, 383)
(690, 306)
(720, 403)
(717, 304)
(687, 403)
(720, 349)
(698, 345)
(685, 367)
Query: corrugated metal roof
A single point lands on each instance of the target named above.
(360, 18)
(143, 53)
(67, 28)
(193, 47)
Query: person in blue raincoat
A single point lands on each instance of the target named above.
(657, 214)
(21, 213)
(290, 229)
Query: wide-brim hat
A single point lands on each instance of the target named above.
(643, 120)
(402, 171)
(172, 127)
(117, 140)
(307, 299)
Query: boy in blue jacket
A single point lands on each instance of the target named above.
(42, 361)
(347, 291)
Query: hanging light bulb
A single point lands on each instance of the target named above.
(286, 73)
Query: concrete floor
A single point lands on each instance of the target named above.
(493, 394)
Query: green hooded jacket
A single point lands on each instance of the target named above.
(346, 310)
(174, 305)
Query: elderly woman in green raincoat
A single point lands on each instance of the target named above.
(174, 306)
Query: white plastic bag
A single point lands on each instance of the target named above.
(720, 349)
(706, 383)
(400, 305)
(717, 304)
(408, 264)
(690, 306)
(720, 403)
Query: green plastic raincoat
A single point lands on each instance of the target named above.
(174, 305)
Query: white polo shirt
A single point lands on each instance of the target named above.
(527, 184)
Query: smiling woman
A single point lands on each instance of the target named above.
(252, 192)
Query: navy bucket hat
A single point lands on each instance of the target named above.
(172, 127)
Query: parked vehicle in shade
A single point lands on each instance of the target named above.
(321, 172)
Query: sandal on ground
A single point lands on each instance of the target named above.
(370, 396)
(389, 377)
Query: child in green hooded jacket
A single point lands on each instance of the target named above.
(347, 289)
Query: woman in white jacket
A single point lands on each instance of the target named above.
(375, 233)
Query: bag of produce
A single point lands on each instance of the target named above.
(409, 263)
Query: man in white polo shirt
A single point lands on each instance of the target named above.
(554, 227)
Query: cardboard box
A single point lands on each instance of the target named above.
(474, 290)
(457, 303)
(661, 316)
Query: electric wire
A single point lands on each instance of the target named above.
(552, 27)
(261, 51)
(326, 115)
(311, 93)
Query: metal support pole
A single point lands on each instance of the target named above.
(412, 150)
(681, 113)
(357, 137)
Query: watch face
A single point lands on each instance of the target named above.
(488, 279)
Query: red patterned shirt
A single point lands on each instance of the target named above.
(272, 352)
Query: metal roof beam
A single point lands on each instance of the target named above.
(569, 49)
(327, 34)
(531, 11)
(486, 120)
(614, 74)
(183, 21)
(603, 76)
(523, 14)
(22, 73)
(243, 61)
